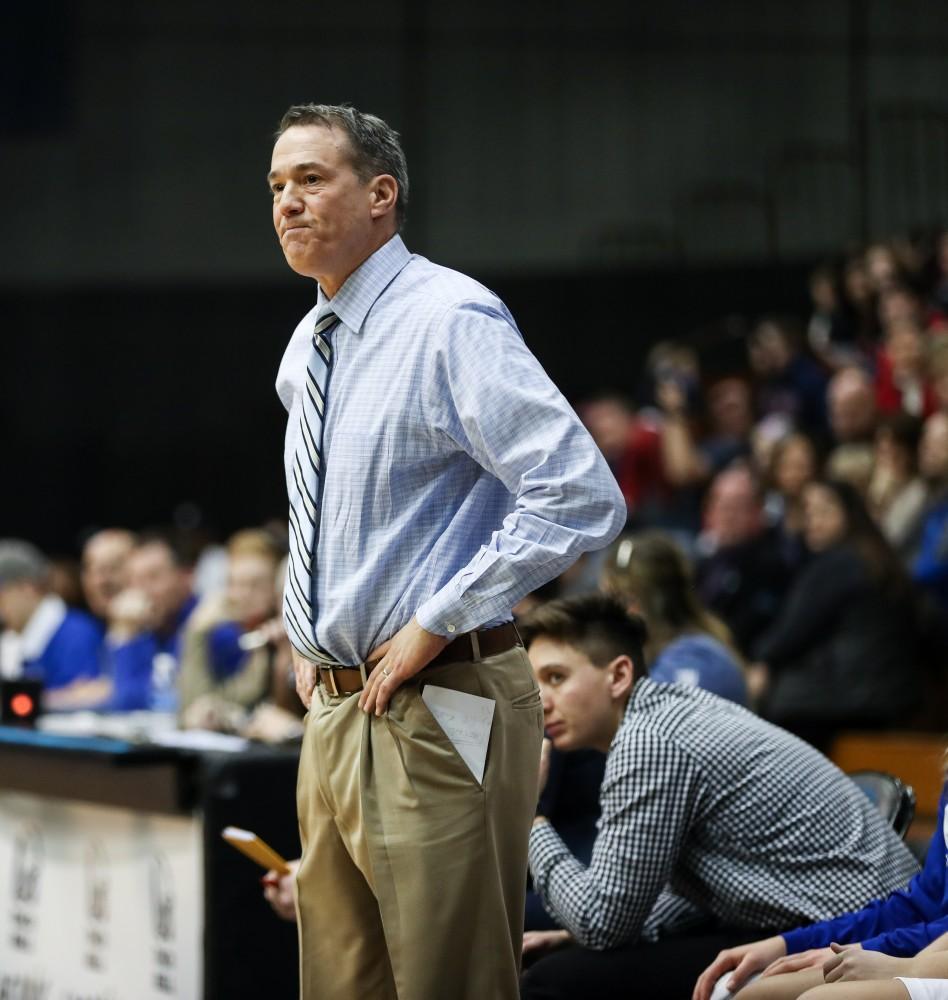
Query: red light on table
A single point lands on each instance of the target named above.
(22, 705)
(20, 702)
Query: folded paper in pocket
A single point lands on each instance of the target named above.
(466, 720)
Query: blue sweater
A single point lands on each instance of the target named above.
(72, 653)
(901, 924)
(136, 685)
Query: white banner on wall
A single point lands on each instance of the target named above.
(98, 903)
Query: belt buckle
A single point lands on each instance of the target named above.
(331, 683)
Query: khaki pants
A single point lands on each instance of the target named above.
(413, 875)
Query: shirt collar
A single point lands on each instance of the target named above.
(366, 283)
(43, 625)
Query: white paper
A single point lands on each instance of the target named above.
(466, 720)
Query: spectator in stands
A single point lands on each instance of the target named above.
(843, 650)
(742, 572)
(704, 817)
(104, 568)
(882, 267)
(903, 384)
(649, 575)
(880, 940)
(632, 447)
(794, 464)
(938, 368)
(897, 493)
(146, 625)
(940, 291)
(853, 418)
(43, 639)
(831, 330)
(929, 558)
(143, 640)
(852, 407)
(231, 637)
(688, 460)
(860, 300)
(788, 382)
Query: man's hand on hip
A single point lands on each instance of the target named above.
(411, 649)
(305, 671)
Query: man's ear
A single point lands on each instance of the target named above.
(384, 191)
(622, 676)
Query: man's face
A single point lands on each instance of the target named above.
(852, 410)
(104, 569)
(250, 588)
(153, 571)
(18, 601)
(734, 514)
(579, 709)
(322, 211)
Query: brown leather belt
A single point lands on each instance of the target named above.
(466, 648)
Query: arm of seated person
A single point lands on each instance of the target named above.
(89, 693)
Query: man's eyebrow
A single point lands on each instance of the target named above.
(298, 168)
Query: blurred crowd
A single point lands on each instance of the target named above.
(802, 498)
(146, 623)
(787, 542)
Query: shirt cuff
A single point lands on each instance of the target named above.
(445, 614)
(545, 850)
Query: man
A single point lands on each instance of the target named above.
(144, 634)
(708, 814)
(104, 568)
(743, 570)
(43, 638)
(435, 476)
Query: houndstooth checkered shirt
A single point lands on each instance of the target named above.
(724, 812)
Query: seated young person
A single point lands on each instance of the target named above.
(705, 814)
(886, 933)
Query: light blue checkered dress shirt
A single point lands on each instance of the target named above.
(457, 478)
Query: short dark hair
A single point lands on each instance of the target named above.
(596, 625)
(376, 146)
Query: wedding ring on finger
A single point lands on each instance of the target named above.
(385, 672)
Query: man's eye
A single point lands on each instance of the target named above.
(276, 188)
(311, 178)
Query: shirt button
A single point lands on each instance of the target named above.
(452, 628)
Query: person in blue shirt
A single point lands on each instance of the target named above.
(143, 641)
(887, 930)
(686, 644)
(43, 638)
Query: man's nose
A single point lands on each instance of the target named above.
(289, 201)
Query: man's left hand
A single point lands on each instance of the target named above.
(410, 650)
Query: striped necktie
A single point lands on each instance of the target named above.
(299, 605)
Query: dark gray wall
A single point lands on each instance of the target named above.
(540, 134)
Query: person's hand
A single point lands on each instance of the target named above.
(129, 614)
(757, 676)
(544, 774)
(545, 940)
(410, 650)
(850, 962)
(305, 671)
(280, 891)
(745, 961)
(812, 959)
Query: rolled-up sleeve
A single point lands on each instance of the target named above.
(647, 797)
(494, 400)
